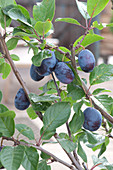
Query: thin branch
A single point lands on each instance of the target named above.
(85, 168)
(74, 161)
(17, 74)
(68, 129)
(104, 113)
(40, 149)
(73, 58)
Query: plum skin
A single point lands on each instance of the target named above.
(47, 65)
(34, 73)
(86, 60)
(92, 119)
(21, 101)
(63, 73)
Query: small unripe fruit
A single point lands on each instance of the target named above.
(86, 60)
(21, 101)
(92, 119)
(63, 73)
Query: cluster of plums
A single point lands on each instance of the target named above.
(63, 73)
(92, 117)
(48, 65)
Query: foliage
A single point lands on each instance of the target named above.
(57, 104)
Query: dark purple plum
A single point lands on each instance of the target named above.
(47, 65)
(34, 73)
(63, 73)
(21, 101)
(92, 119)
(86, 60)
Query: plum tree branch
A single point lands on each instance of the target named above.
(16, 72)
(16, 142)
(91, 97)
(74, 161)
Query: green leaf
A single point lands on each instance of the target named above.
(31, 113)
(46, 134)
(45, 156)
(7, 126)
(43, 166)
(62, 57)
(91, 137)
(37, 59)
(8, 113)
(109, 167)
(76, 122)
(102, 150)
(16, 14)
(12, 43)
(21, 33)
(25, 130)
(68, 145)
(68, 20)
(36, 98)
(81, 152)
(4, 20)
(43, 27)
(64, 49)
(4, 3)
(31, 158)
(77, 93)
(89, 39)
(15, 57)
(5, 69)
(100, 90)
(3, 108)
(77, 106)
(97, 145)
(56, 115)
(106, 101)
(98, 25)
(97, 160)
(24, 11)
(97, 102)
(0, 95)
(50, 85)
(2, 60)
(41, 106)
(101, 73)
(82, 7)
(96, 6)
(44, 10)
(11, 157)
